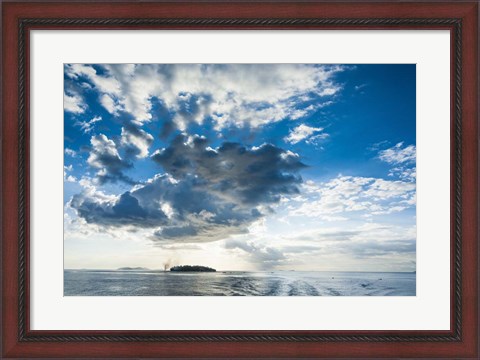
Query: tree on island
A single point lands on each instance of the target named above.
(192, 268)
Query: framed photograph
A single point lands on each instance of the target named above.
(238, 180)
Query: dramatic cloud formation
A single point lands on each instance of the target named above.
(259, 174)
(104, 156)
(218, 164)
(206, 195)
(97, 208)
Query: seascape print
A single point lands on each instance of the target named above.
(239, 179)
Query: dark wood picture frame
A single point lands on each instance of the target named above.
(460, 18)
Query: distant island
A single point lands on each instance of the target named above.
(192, 268)
(133, 268)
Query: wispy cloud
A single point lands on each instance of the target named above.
(66, 176)
(403, 159)
(398, 154)
(305, 133)
(87, 126)
(360, 87)
(70, 152)
(349, 194)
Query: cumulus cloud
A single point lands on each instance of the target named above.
(177, 211)
(105, 84)
(236, 95)
(304, 133)
(109, 104)
(206, 194)
(232, 170)
(135, 141)
(105, 158)
(73, 103)
(125, 209)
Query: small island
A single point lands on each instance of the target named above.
(132, 268)
(192, 268)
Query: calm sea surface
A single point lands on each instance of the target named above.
(231, 283)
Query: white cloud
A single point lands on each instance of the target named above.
(381, 189)
(73, 103)
(348, 194)
(70, 152)
(103, 83)
(136, 140)
(314, 140)
(109, 104)
(101, 145)
(104, 156)
(66, 177)
(403, 160)
(329, 91)
(87, 126)
(398, 154)
(232, 94)
(404, 173)
(107, 86)
(304, 132)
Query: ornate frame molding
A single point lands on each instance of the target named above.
(24, 335)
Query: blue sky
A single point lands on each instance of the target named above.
(240, 167)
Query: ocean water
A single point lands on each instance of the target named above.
(236, 283)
